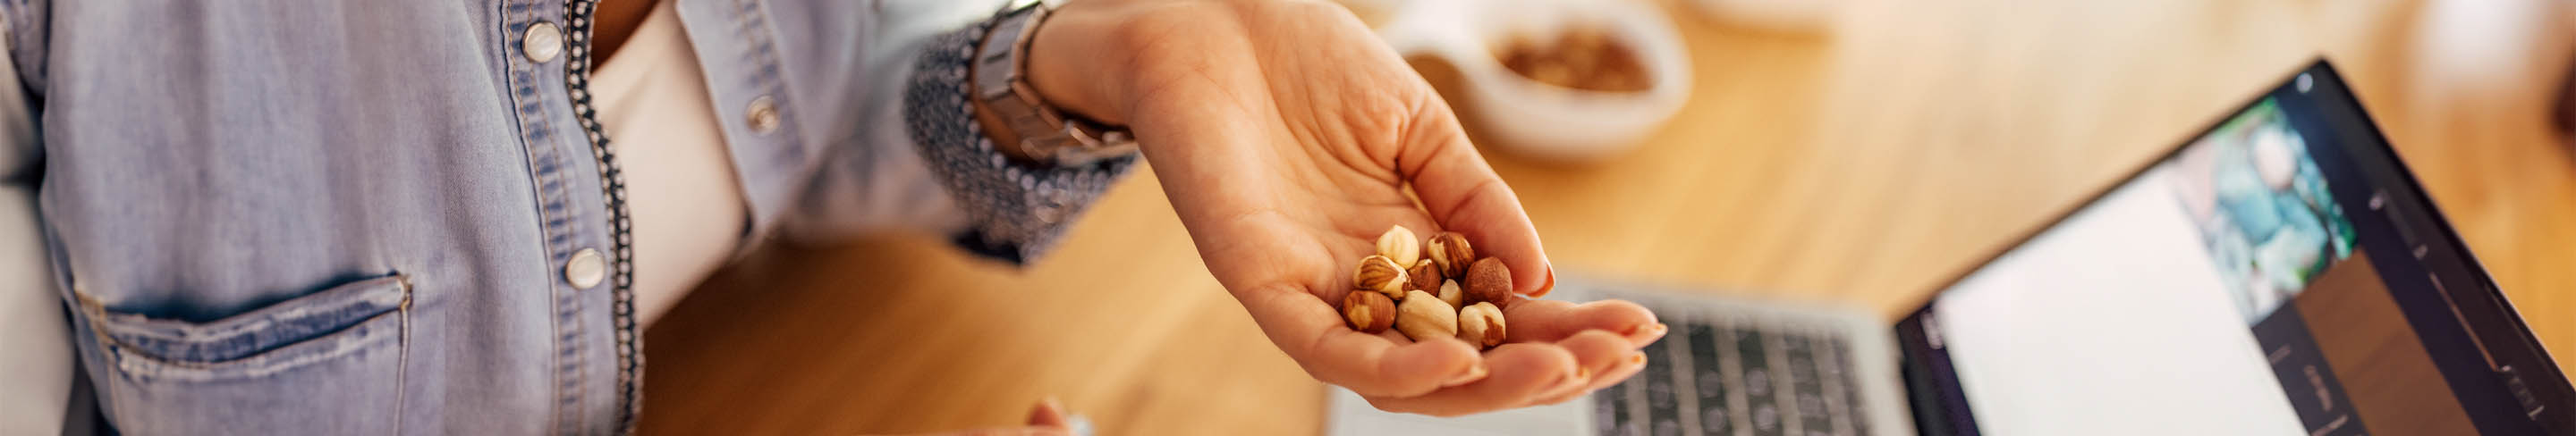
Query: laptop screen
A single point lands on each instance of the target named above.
(2256, 281)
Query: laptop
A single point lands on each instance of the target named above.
(2279, 274)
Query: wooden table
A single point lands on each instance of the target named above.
(1865, 165)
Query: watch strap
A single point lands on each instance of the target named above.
(1046, 135)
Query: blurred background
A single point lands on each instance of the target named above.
(1851, 151)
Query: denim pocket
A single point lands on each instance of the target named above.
(326, 362)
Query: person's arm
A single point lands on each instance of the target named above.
(1015, 209)
(1288, 137)
(921, 164)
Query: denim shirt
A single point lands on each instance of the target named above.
(375, 217)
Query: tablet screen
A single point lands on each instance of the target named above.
(2224, 290)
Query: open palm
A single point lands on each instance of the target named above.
(1288, 138)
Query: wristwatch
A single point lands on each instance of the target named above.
(1046, 136)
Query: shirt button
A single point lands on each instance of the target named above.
(542, 42)
(585, 269)
(762, 115)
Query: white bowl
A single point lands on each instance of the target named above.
(1536, 118)
(1794, 17)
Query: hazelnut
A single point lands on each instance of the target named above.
(1422, 316)
(1449, 293)
(1424, 276)
(1399, 244)
(1489, 281)
(1481, 324)
(1451, 252)
(1379, 274)
(1368, 312)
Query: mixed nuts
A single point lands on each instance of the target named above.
(1379, 274)
(1481, 324)
(1422, 316)
(1369, 311)
(1429, 289)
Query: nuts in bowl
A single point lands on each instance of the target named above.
(1585, 59)
(1428, 299)
(1563, 80)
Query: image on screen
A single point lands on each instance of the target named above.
(2262, 208)
(2220, 292)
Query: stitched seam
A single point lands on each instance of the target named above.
(613, 186)
(546, 166)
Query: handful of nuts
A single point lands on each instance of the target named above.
(1429, 289)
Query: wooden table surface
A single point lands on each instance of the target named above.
(1863, 165)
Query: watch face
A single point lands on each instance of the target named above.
(997, 57)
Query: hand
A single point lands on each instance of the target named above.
(1045, 419)
(1287, 137)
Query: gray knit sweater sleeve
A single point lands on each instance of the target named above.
(1015, 211)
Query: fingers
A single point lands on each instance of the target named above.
(1607, 357)
(1617, 374)
(1023, 431)
(1047, 418)
(1048, 413)
(1553, 320)
(1532, 373)
(1520, 372)
(1006, 431)
(1313, 335)
(1465, 196)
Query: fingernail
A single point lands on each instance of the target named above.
(1634, 358)
(1548, 286)
(1474, 373)
(1648, 333)
(1581, 377)
(1048, 413)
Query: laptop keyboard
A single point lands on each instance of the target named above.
(1736, 380)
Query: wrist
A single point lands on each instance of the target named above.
(1026, 124)
(994, 128)
(1069, 59)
